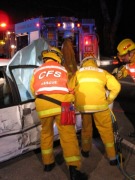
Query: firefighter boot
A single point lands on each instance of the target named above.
(85, 153)
(49, 167)
(76, 174)
(117, 161)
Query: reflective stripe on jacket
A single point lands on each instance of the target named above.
(46, 108)
(50, 78)
(131, 70)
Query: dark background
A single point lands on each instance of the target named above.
(21, 10)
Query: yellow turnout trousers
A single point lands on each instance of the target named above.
(103, 123)
(68, 140)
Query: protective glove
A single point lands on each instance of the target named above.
(120, 72)
(115, 71)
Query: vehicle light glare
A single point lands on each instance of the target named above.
(58, 24)
(13, 46)
(2, 42)
(78, 25)
(3, 24)
(72, 25)
(8, 33)
(64, 25)
(37, 25)
(86, 42)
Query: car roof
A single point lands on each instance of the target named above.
(4, 62)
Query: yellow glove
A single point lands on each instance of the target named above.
(120, 72)
(119, 75)
(115, 71)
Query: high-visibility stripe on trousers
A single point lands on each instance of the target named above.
(68, 140)
(103, 123)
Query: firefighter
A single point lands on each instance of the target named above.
(68, 52)
(90, 84)
(126, 55)
(50, 79)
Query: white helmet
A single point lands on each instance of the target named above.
(95, 60)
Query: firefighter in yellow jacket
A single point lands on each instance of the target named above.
(68, 52)
(90, 84)
(50, 79)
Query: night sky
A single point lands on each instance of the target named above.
(18, 12)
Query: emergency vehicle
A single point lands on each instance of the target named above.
(53, 28)
(7, 41)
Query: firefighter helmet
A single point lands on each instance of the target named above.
(68, 34)
(125, 46)
(86, 61)
(53, 53)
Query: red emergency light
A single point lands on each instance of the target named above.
(87, 41)
(59, 24)
(4, 20)
(78, 25)
(3, 25)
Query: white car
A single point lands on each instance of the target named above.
(19, 124)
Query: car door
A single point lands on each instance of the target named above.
(19, 124)
(10, 119)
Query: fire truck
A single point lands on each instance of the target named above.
(53, 28)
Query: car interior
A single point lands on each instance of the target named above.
(5, 91)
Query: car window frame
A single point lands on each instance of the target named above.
(11, 70)
(12, 89)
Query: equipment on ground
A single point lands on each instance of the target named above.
(117, 140)
(118, 146)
